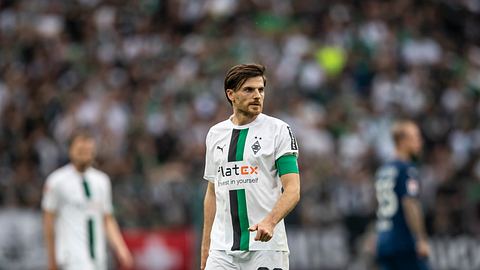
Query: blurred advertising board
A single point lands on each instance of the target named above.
(327, 248)
(161, 249)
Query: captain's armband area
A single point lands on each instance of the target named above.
(287, 164)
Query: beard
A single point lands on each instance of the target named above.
(245, 111)
(82, 165)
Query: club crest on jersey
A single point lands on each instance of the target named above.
(256, 146)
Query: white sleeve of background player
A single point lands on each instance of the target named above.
(285, 142)
(107, 200)
(51, 196)
(210, 171)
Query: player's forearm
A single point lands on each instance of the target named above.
(209, 215)
(116, 241)
(49, 234)
(209, 205)
(287, 200)
(114, 235)
(414, 217)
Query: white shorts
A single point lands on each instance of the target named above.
(247, 260)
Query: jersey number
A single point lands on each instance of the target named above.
(387, 199)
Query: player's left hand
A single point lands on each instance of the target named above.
(264, 230)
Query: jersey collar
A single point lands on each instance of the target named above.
(257, 120)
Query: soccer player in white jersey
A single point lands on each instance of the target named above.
(254, 182)
(78, 214)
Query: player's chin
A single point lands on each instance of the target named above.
(85, 162)
(417, 152)
(255, 110)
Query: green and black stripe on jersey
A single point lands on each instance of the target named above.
(238, 201)
(90, 223)
(239, 214)
(237, 144)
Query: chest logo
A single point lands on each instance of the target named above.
(256, 145)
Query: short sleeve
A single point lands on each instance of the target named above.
(286, 144)
(408, 183)
(210, 171)
(107, 199)
(50, 199)
(412, 185)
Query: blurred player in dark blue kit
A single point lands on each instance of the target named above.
(402, 240)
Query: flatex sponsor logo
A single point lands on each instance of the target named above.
(238, 170)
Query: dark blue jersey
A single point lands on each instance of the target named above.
(394, 181)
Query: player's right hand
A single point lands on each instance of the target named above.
(423, 249)
(264, 231)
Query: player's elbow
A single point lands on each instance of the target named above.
(296, 197)
(294, 194)
(291, 186)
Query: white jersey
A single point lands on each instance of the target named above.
(240, 161)
(80, 202)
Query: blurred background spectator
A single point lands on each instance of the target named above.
(147, 77)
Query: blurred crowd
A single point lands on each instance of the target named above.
(147, 77)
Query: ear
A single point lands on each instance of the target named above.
(231, 94)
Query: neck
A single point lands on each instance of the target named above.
(403, 155)
(80, 167)
(241, 118)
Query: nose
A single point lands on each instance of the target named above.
(256, 93)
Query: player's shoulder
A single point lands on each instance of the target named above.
(391, 167)
(273, 121)
(397, 168)
(218, 129)
(60, 173)
(98, 174)
(411, 171)
(398, 164)
(220, 126)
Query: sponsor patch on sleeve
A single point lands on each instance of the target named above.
(412, 187)
(293, 141)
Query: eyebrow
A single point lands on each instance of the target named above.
(253, 87)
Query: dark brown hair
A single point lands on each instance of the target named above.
(238, 74)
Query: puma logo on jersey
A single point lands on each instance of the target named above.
(221, 148)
